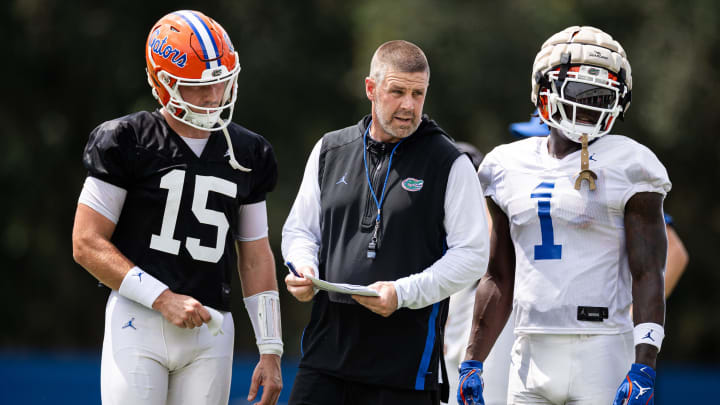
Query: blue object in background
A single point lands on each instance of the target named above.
(533, 127)
(34, 378)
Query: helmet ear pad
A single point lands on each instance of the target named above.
(159, 91)
(543, 107)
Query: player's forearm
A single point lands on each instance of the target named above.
(493, 299)
(93, 250)
(100, 258)
(648, 307)
(256, 267)
(648, 299)
(646, 247)
(493, 303)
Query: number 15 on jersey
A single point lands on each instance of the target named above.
(173, 182)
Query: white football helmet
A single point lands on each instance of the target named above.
(581, 82)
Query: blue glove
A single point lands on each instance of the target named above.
(638, 387)
(471, 383)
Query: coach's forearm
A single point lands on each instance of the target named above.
(458, 268)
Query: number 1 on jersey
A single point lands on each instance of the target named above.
(548, 250)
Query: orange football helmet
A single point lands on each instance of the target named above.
(188, 48)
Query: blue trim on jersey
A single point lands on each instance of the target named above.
(427, 353)
(541, 195)
(302, 338)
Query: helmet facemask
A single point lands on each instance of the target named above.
(586, 102)
(204, 118)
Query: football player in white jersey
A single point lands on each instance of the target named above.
(173, 204)
(578, 231)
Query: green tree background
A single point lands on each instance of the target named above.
(75, 64)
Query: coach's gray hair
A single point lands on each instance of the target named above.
(398, 55)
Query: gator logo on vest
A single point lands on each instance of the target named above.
(412, 184)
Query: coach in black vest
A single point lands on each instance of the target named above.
(390, 203)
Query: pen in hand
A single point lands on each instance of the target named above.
(292, 269)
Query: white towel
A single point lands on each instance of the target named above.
(216, 321)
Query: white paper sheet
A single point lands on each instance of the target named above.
(343, 288)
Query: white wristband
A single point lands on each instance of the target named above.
(264, 311)
(141, 287)
(649, 333)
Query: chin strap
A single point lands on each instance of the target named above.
(585, 172)
(233, 163)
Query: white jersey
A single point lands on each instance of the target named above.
(570, 253)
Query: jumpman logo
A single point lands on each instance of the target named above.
(129, 324)
(139, 276)
(342, 179)
(648, 335)
(592, 158)
(641, 389)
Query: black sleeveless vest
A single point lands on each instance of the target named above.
(343, 338)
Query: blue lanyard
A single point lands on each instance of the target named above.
(372, 246)
(378, 203)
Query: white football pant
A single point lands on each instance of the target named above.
(568, 369)
(146, 360)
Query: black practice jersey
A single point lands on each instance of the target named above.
(181, 212)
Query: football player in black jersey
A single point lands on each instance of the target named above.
(174, 201)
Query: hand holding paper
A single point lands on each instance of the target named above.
(297, 284)
(384, 303)
(343, 288)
